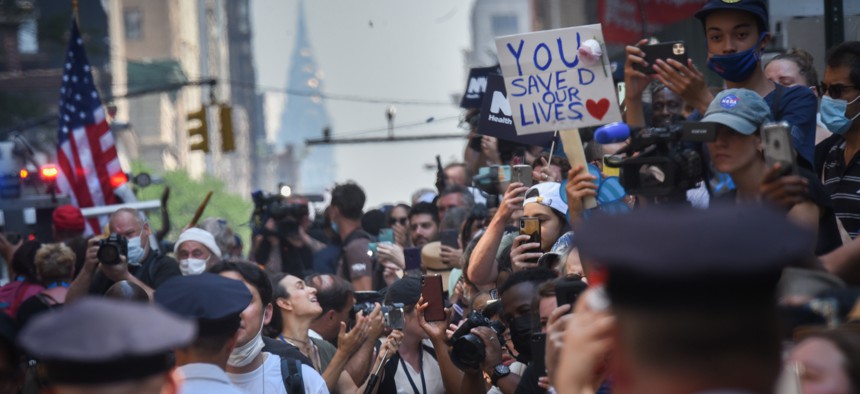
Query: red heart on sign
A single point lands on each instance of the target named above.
(597, 108)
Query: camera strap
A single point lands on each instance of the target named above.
(409, 375)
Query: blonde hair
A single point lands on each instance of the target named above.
(55, 262)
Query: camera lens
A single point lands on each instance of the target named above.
(108, 254)
(468, 351)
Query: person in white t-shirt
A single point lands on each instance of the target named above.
(249, 368)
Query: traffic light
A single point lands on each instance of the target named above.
(202, 130)
(225, 114)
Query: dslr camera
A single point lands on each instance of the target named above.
(286, 214)
(467, 350)
(663, 162)
(392, 314)
(111, 248)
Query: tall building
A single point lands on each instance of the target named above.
(304, 117)
(495, 18)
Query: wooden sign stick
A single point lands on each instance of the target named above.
(571, 142)
(200, 210)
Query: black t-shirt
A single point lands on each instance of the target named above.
(828, 232)
(155, 269)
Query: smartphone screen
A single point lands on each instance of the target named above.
(431, 290)
(531, 226)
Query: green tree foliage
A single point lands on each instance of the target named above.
(186, 194)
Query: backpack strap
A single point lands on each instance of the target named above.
(291, 371)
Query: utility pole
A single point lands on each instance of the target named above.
(834, 23)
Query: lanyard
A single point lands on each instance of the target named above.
(409, 375)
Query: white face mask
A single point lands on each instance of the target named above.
(243, 355)
(192, 266)
(135, 251)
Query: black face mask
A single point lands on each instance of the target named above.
(521, 334)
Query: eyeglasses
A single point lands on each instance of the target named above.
(835, 90)
(393, 221)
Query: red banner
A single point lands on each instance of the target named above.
(626, 21)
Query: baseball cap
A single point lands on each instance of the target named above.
(548, 194)
(755, 7)
(739, 109)
(68, 218)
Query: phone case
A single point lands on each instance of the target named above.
(531, 227)
(522, 173)
(386, 235)
(431, 290)
(665, 50)
(413, 258)
(538, 345)
(567, 291)
(450, 238)
(777, 146)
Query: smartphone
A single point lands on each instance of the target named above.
(662, 51)
(373, 250)
(413, 258)
(431, 290)
(386, 235)
(531, 226)
(538, 346)
(777, 146)
(522, 173)
(567, 290)
(450, 238)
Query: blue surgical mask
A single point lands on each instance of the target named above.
(135, 251)
(737, 67)
(832, 113)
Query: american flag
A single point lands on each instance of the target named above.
(86, 153)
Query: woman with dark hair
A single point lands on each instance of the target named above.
(828, 361)
(398, 220)
(24, 285)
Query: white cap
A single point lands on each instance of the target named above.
(198, 235)
(548, 194)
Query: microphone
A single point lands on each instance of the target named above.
(612, 133)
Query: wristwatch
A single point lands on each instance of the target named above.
(499, 371)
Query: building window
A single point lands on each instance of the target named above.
(504, 25)
(133, 23)
(28, 37)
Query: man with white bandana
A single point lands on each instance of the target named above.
(196, 251)
(144, 265)
(248, 367)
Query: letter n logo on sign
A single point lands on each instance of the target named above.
(477, 85)
(500, 104)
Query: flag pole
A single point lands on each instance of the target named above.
(75, 10)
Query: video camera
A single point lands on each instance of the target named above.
(111, 248)
(489, 180)
(467, 349)
(663, 162)
(272, 206)
(391, 314)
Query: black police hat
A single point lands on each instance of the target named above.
(755, 7)
(213, 300)
(723, 257)
(99, 341)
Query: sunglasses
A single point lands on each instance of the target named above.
(835, 90)
(393, 221)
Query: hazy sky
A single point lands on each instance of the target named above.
(393, 49)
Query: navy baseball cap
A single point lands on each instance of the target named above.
(214, 301)
(739, 109)
(755, 7)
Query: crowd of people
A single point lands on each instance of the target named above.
(749, 285)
